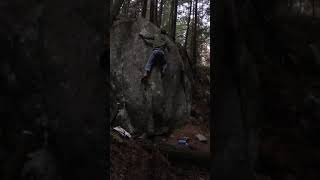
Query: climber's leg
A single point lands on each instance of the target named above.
(151, 62)
(148, 67)
(163, 63)
(164, 67)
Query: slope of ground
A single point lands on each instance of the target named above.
(131, 161)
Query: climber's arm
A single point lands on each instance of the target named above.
(146, 36)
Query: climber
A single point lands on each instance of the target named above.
(159, 45)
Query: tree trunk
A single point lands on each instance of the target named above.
(230, 134)
(194, 37)
(171, 17)
(116, 9)
(188, 25)
(175, 19)
(155, 18)
(174, 6)
(160, 13)
(144, 8)
(151, 17)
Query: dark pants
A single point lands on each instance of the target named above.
(157, 56)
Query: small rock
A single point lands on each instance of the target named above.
(201, 138)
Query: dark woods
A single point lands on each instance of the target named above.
(266, 73)
(186, 21)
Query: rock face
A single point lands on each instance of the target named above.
(166, 101)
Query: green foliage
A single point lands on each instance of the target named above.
(203, 27)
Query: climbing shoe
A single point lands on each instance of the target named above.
(162, 74)
(145, 76)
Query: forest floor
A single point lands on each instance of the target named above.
(130, 159)
(198, 122)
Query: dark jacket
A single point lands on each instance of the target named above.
(156, 41)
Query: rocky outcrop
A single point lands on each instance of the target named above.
(165, 102)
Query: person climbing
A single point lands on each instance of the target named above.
(159, 45)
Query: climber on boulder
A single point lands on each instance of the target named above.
(159, 45)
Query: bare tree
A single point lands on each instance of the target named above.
(188, 25)
(155, 18)
(152, 8)
(194, 37)
(173, 19)
(144, 8)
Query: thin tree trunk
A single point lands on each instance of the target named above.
(144, 8)
(128, 7)
(151, 17)
(188, 25)
(174, 6)
(171, 17)
(194, 37)
(155, 18)
(175, 19)
(116, 9)
(160, 13)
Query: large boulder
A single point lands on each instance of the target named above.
(166, 101)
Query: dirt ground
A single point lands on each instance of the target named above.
(190, 130)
